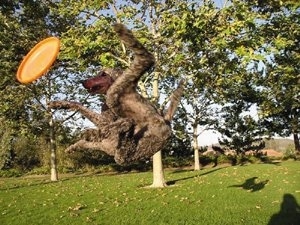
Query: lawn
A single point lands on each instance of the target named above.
(251, 194)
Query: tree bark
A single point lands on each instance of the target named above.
(53, 161)
(196, 148)
(196, 159)
(158, 172)
(296, 142)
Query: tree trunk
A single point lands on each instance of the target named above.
(158, 172)
(196, 158)
(53, 161)
(196, 148)
(53, 166)
(296, 142)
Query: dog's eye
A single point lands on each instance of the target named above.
(102, 74)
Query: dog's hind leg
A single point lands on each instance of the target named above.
(155, 135)
(98, 146)
(143, 60)
(107, 138)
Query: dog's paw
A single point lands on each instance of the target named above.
(62, 104)
(119, 28)
(125, 125)
(53, 104)
(69, 151)
(59, 105)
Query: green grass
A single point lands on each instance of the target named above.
(222, 195)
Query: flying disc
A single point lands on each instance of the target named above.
(38, 60)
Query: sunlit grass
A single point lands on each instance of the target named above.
(249, 194)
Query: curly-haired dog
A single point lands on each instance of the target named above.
(129, 128)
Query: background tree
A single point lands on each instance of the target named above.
(238, 56)
(92, 36)
(16, 37)
(240, 132)
(24, 23)
(218, 48)
(254, 40)
(195, 116)
(6, 151)
(195, 40)
(279, 80)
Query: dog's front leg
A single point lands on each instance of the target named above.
(96, 118)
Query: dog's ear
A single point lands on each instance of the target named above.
(114, 73)
(104, 107)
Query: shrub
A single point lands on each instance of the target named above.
(140, 166)
(10, 173)
(6, 154)
(39, 171)
(205, 160)
(223, 159)
(89, 159)
(26, 152)
(290, 153)
(174, 162)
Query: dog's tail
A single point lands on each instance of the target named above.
(174, 101)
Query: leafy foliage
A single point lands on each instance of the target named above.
(240, 132)
(243, 54)
(6, 137)
(280, 106)
(23, 110)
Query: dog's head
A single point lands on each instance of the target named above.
(101, 83)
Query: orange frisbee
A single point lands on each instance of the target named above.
(38, 60)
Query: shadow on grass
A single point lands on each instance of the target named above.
(182, 170)
(24, 185)
(289, 213)
(251, 185)
(172, 182)
(276, 163)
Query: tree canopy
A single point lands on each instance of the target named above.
(240, 55)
